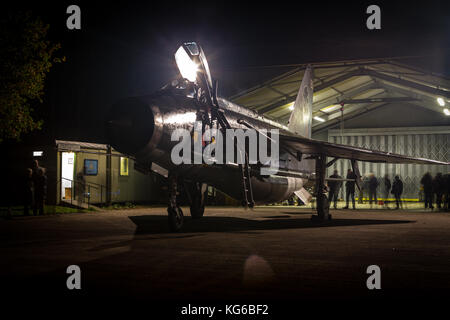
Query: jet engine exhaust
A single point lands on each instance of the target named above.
(131, 126)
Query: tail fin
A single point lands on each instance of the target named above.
(300, 119)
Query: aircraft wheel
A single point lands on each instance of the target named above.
(197, 208)
(323, 210)
(176, 219)
(326, 208)
(326, 205)
(198, 201)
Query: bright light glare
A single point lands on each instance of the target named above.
(38, 153)
(291, 107)
(447, 112)
(181, 118)
(187, 67)
(319, 119)
(441, 101)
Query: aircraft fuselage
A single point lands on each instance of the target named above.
(142, 127)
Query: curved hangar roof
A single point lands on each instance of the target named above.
(360, 86)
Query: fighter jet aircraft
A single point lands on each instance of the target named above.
(143, 128)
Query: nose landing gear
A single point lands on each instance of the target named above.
(176, 218)
(323, 206)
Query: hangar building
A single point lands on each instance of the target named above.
(379, 104)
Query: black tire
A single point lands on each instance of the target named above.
(176, 219)
(197, 208)
(198, 202)
(326, 205)
(326, 210)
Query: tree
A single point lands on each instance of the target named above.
(26, 57)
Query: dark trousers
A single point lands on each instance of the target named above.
(398, 200)
(26, 208)
(438, 200)
(333, 196)
(386, 197)
(27, 202)
(350, 193)
(373, 196)
(38, 207)
(447, 201)
(429, 200)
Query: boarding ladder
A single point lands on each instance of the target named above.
(247, 191)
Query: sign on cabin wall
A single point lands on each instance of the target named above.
(90, 167)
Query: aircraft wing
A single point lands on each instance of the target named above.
(295, 144)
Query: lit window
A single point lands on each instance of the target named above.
(123, 166)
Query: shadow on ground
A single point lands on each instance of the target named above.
(158, 224)
(299, 212)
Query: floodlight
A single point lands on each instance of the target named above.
(447, 112)
(193, 66)
(440, 101)
(188, 68)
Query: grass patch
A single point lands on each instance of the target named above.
(120, 206)
(17, 211)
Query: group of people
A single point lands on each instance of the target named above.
(35, 189)
(438, 189)
(335, 184)
(371, 185)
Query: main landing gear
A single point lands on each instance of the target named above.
(196, 194)
(323, 206)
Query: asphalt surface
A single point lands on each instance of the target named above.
(265, 255)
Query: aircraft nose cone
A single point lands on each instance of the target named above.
(130, 125)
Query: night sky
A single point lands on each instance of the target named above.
(126, 48)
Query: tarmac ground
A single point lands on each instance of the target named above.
(273, 255)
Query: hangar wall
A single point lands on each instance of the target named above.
(426, 142)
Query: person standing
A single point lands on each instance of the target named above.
(350, 188)
(438, 189)
(447, 191)
(387, 189)
(334, 187)
(28, 192)
(397, 190)
(364, 189)
(40, 192)
(373, 185)
(80, 187)
(35, 177)
(427, 182)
